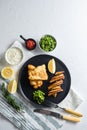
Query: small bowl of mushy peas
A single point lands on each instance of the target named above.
(47, 43)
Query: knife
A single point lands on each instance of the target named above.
(57, 115)
(68, 110)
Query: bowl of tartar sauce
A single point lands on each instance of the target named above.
(14, 55)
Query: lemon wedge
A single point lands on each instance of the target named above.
(12, 86)
(52, 66)
(7, 72)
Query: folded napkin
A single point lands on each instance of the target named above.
(30, 120)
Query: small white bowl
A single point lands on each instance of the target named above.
(14, 55)
(47, 43)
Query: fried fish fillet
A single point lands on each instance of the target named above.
(31, 67)
(36, 83)
(39, 73)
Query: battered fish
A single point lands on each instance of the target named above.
(39, 73)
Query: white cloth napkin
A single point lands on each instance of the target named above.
(40, 122)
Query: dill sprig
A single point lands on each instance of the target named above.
(9, 98)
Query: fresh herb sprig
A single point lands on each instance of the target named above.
(9, 99)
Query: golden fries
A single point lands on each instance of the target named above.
(57, 77)
(56, 82)
(59, 72)
(55, 92)
(55, 88)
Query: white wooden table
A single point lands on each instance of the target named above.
(64, 19)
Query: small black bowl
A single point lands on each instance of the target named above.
(30, 43)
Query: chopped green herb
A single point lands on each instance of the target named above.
(39, 96)
(9, 99)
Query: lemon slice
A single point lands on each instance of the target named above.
(12, 86)
(52, 66)
(6, 72)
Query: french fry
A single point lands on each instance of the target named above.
(55, 94)
(56, 87)
(56, 81)
(55, 84)
(56, 90)
(52, 93)
(58, 77)
(59, 72)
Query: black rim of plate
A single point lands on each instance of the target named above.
(27, 90)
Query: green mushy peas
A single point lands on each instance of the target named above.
(39, 96)
(47, 43)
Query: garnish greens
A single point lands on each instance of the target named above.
(47, 43)
(9, 99)
(39, 96)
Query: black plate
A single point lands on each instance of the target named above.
(27, 90)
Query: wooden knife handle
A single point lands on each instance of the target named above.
(73, 112)
(72, 119)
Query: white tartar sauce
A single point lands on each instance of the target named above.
(14, 55)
